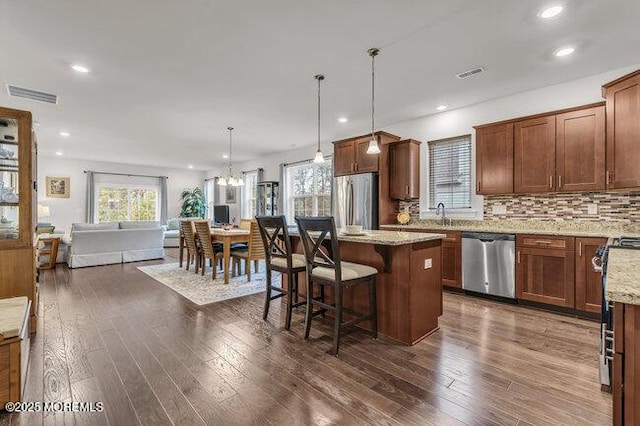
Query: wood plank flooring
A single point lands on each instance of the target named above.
(115, 335)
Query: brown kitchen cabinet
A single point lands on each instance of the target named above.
(623, 131)
(350, 155)
(404, 170)
(494, 159)
(588, 282)
(535, 155)
(626, 365)
(553, 152)
(580, 150)
(451, 258)
(545, 269)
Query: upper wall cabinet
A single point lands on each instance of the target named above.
(350, 155)
(558, 151)
(535, 155)
(404, 170)
(494, 159)
(580, 150)
(623, 131)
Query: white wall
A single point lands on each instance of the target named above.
(65, 211)
(460, 122)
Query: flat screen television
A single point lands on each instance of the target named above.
(221, 214)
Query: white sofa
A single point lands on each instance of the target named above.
(92, 244)
(172, 231)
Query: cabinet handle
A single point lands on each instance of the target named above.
(545, 242)
(518, 256)
(551, 182)
(559, 181)
(407, 190)
(352, 167)
(580, 248)
(356, 166)
(478, 186)
(608, 177)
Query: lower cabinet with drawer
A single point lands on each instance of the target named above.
(545, 270)
(451, 258)
(14, 348)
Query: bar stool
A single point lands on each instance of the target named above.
(327, 270)
(273, 230)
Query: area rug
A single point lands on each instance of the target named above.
(202, 290)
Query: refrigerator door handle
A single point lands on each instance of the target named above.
(350, 203)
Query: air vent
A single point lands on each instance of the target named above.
(34, 95)
(469, 73)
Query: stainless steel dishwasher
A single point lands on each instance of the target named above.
(488, 263)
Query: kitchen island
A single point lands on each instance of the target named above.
(408, 288)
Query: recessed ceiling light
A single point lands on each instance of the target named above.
(64, 134)
(190, 166)
(441, 107)
(565, 51)
(343, 119)
(58, 152)
(225, 156)
(550, 12)
(80, 68)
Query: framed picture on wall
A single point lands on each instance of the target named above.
(230, 194)
(58, 187)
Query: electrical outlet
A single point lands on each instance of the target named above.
(592, 209)
(499, 209)
(428, 264)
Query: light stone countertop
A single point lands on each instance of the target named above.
(563, 228)
(389, 238)
(623, 275)
(12, 312)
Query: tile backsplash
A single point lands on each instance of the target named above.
(621, 207)
(586, 206)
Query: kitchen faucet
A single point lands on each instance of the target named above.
(439, 210)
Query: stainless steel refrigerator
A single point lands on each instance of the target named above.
(355, 200)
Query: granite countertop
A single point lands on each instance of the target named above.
(12, 312)
(623, 275)
(389, 238)
(569, 228)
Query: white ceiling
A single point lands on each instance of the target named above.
(168, 77)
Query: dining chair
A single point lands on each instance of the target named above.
(254, 251)
(279, 257)
(325, 268)
(193, 251)
(209, 250)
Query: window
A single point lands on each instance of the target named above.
(450, 173)
(116, 203)
(209, 197)
(307, 189)
(249, 194)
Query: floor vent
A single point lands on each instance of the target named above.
(469, 73)
(34, 95)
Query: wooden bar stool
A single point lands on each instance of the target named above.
(326, 269)
(279, 257)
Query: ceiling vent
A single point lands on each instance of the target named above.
(469, 73)
(34, 95)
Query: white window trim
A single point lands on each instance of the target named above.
(476, 211)
(287, 200)
(96, 196)
(245, 191)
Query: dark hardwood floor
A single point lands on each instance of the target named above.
(113, 334)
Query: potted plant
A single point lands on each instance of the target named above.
(193, 204)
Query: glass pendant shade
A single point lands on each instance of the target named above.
(319, 158)
(230, 179)
(373, 147)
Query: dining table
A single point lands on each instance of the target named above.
(226, 237)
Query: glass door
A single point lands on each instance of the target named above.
(10, 167)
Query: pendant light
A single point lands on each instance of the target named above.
(230, 178)
(373, 143)
(319, 158)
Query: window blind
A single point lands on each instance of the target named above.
(450, 172)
